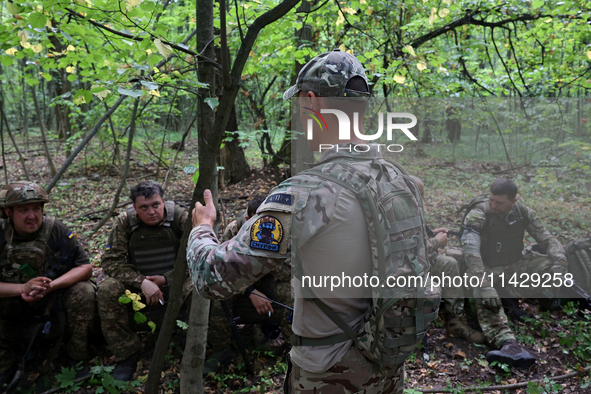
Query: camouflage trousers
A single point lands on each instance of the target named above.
(219, 334)
(354, 373)
(18, 319)
(495, 325)
(117, 322)
(452, 297)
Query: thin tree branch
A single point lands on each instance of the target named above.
(123, 180)
(492, 36)
(136, 38)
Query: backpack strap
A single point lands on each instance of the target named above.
(132, 217)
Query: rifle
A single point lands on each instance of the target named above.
(236, 334)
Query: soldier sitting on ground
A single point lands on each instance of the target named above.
(494, 229)
(139, 257)
(452, 297)
(44, 269)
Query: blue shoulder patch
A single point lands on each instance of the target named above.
(280, 198)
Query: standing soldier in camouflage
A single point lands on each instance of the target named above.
(494, 229)
(330, 234)
(456, 323)
(42, 265)
(139, 257)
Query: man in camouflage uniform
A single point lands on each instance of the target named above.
(493, 243)
(250, 306)
(452, 297)
(333, 231)
(42, 265)
(139, 257)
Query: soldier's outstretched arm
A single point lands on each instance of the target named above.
(219, 271)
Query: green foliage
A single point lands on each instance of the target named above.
(139, 317)
(67, 379)
(547, 386)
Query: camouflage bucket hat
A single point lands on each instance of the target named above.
(327, 75)
(21, 193)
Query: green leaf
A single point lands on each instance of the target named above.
(537, 3)
(12, 8)
(72, 77)
(132, 93)
(37, 20)
(139, 317)
(152, 325)
(182, 324)
(84, 93)
(7, 60)
(195, 176)
(47, 77)
(150, 85)
(124, 299)
(212, 102)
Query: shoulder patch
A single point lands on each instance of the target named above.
(279, 202)
(266, 233)
(70, 235)
(280, 198)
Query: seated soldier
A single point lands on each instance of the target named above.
(452, 297)
(139, 257)
(41, 259)
(252, 306)
(494, 229)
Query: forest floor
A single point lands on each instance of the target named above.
(560, 341)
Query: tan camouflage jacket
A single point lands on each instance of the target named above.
(476, 219)
(115, 260)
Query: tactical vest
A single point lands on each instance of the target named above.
(153, 249)
(25, 260)
(501, 239)
(397, 318)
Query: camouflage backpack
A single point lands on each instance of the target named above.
(397, 318)
(578, 255)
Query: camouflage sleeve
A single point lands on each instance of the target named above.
(432, 245)
(547, 241)
(471, 242)
(230, 231)
(63, 242)
(168, 275)
(219, 271)
(115, 261)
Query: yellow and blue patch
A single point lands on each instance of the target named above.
(266, 233)
(108, 247)
(70, 235)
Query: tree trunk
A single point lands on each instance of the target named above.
(236, 166)
(43, 133)
(194, 357)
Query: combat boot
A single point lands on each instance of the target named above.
(125, 369)
(512, 354)
(458, 327)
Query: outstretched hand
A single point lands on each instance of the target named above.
(204, 214)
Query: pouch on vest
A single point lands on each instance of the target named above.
(26, 260)
(153, 249)
(397, 318)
